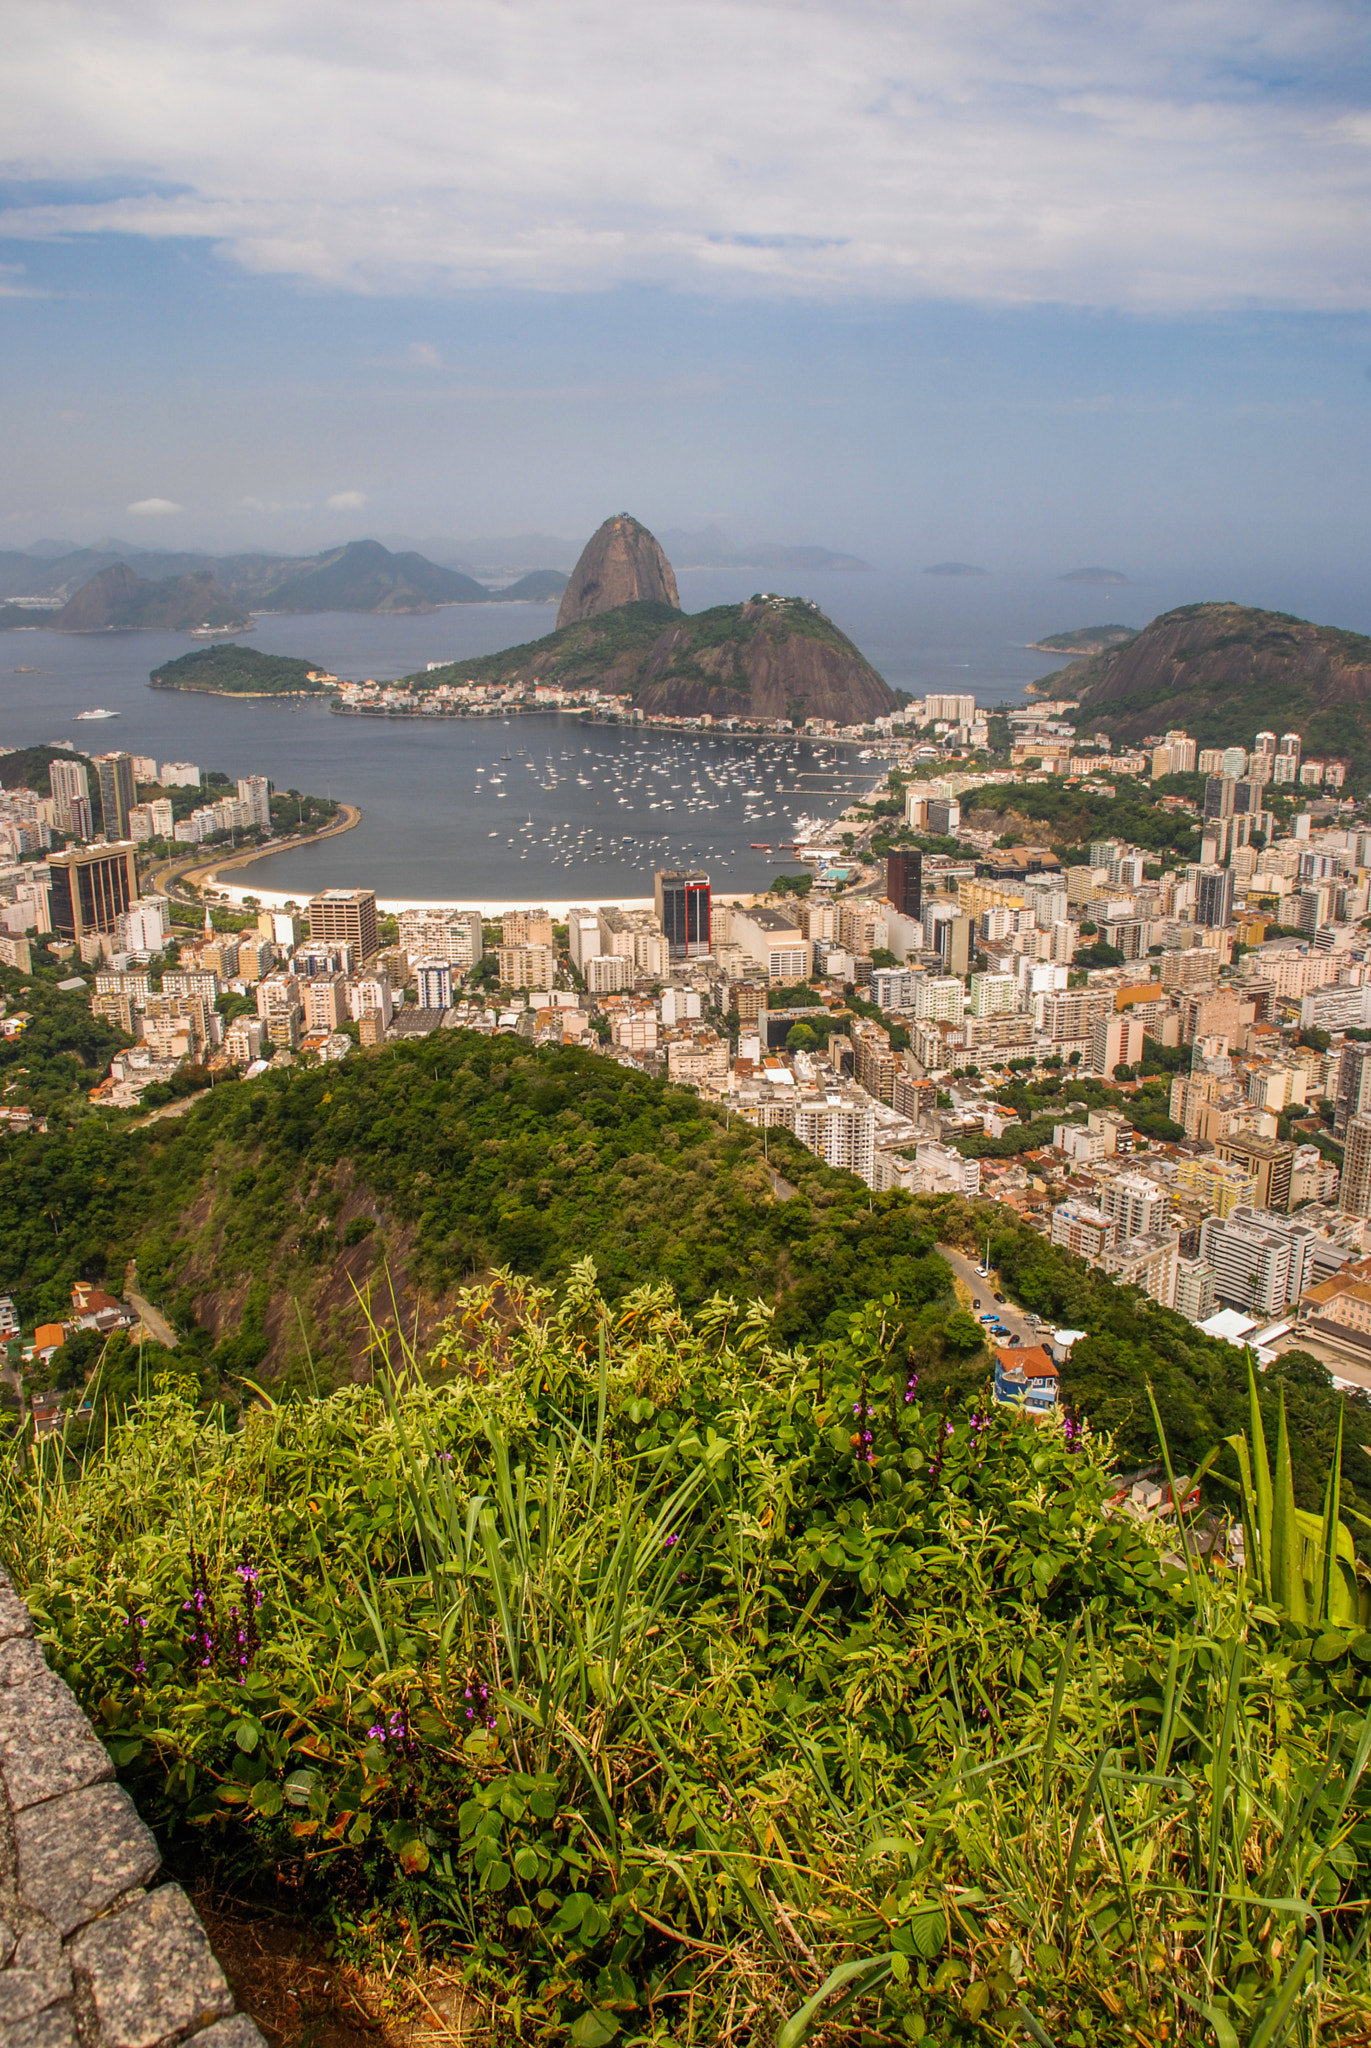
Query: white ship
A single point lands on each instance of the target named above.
(98, 712)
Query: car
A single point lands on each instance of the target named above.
(977, 1302)
(999, 1297)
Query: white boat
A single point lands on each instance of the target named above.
(98, 712)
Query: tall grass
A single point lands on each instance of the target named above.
(691, 1689)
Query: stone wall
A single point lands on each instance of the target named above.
(92, 1954)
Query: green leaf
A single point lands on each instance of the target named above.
(247, 1735)
(299, 1787)
(266, 1799)
(928, 1932)
(414, 1858)
(569, 1914)
(595, 2029)
(527, 1863)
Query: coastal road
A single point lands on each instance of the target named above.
(1022, 1331)
(195, 872)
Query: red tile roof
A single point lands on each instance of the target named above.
(1033, 1360)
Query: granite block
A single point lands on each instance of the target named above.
(26, 1992)
(78, 1854)
(20, 1658)
(47, 1746)
(15, 1619)
(150, 1971)
(55, 2028)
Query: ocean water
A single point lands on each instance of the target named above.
(542, 808)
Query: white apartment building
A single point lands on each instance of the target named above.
(1251, 1266)
(433, 984)
(994, 995)
(606, 973)
(370, 996)
(254, 794)
(840, 1132)
(326, 1002)
(452, 935)
(939, 999)
(1148, 1263)
(1079, 1227)
(1135, 1205)
(1195, 1295)
(244, 1039)
(582, 937)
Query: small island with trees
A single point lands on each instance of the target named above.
(228, 670)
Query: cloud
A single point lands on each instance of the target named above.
(346, 501)
(153, 508)
(1179, 157)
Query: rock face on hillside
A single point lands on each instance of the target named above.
(1223, 672)
(620, 564)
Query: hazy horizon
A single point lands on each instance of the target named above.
(979, 282)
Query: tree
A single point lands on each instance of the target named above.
(801, 1038)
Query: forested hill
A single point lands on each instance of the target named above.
(258, 1217)
(228, 670)
(771, 657)
(1224, 672)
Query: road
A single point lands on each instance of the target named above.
(195, 870)
(153, 1321)
(1021, 1329)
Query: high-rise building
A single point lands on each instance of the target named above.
(526, 928)
(954, 944)
(345, 917)
(1135, 1205)
(433, 984)
(90, 888)
(1115, 1041)
(326, 1002)
(1353, 1092)
(904, 880)
(69, 782)
(1214, 897)
(1354, 1189)
(1271, 1163)
(255, 792)
(118, 792)
(682, 903)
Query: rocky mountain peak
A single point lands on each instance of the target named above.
(621, 563)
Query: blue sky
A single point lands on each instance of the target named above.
(1029, 286)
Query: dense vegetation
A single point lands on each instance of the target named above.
(1224, 672)
(470, 1152)
(1074, 817)
(60, 1053)
(227, 670)
(673, 1681)
(27, 768)
(609, 648)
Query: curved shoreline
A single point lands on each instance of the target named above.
(198, 875)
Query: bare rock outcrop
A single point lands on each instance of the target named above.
(620, 564)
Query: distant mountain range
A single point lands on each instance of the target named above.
(104, 589)
(114, 585)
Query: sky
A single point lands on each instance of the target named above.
(1031, 286)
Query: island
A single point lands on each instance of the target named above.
(228, 670)
(1085, 640)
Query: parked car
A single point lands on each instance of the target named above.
(999, 1297)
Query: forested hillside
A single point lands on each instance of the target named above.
(262, 1217)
